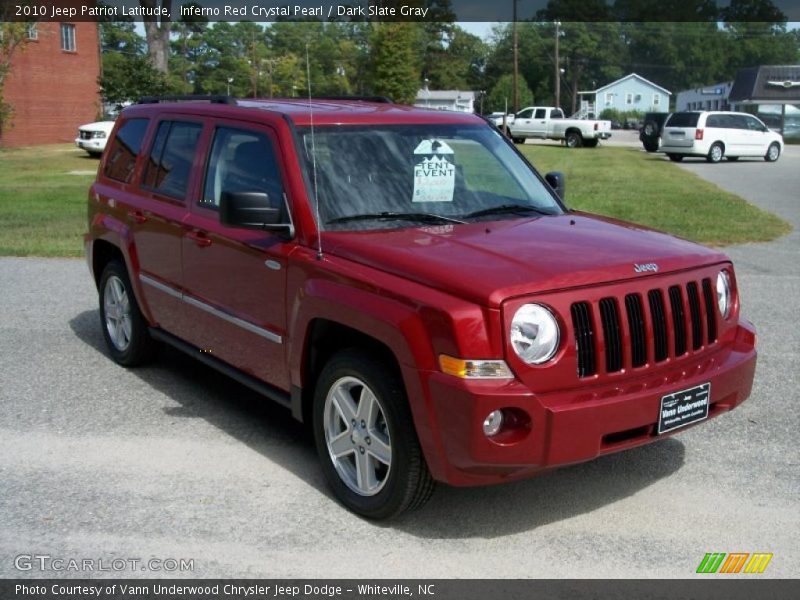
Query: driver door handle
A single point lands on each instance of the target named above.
(199, 238)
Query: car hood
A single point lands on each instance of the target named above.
(489, 262)
(106, 126)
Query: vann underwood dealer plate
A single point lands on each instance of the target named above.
(684, 407)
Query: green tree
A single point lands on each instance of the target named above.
(396, 71)
(128, 78)
(502, 95)
(12, 38)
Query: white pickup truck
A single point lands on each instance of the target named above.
(547, 122)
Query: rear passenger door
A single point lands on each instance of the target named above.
(235, 279)
(157, 217)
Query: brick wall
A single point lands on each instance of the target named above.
(52, 91)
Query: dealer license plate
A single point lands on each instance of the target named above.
(683, 408)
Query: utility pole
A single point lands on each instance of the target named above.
(516, 58)
(558, 69)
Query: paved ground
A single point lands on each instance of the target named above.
(171, 461)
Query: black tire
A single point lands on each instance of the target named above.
(675, 157)
(518, 140)
(650, 144)
(715, 153)
(650, 130)
(406, 483)
(573, 139)
(139, 347)
(591, 143)
(773, 152)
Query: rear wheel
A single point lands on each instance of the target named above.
(518, 140)
(773, 152)
(124, 327)
(365, 437)
(675, 157)
(574, 139)
(715, 153)
(650, 144)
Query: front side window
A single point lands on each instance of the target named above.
(68, 37)
(406, 175)
(241, 161)
(171, 158)
(121, 156)
(754, 124)
(525, 114)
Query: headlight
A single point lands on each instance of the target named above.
(724, 294)
(98, 134)
(534, 334)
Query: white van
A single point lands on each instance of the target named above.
(715, 135)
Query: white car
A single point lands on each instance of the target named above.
(715, 135)
(92, 137)
(497, 118)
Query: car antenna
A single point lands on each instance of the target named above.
(314, 158)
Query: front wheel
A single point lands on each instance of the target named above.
(591, 143)
(365, 437)
(518, 140)
(675, 157)
(773, 153)
(574, 139)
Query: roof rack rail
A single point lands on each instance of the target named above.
(213, 99)
(380, 99)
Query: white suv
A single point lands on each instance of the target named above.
(715, 135)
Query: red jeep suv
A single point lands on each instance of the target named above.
(404, 281)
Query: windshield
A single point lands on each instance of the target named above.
(405, 175)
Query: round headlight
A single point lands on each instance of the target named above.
(724, 294)
(534, 334)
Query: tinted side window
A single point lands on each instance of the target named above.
(541, 113)
(715, 121)
(170, 160)
(124, 149)
(683, 119)
(241, 161)
(737, 122)
(753, 124)
(525, 114)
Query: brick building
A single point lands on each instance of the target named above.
(52, 85)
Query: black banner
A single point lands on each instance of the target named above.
(402, 10)
(709, 587)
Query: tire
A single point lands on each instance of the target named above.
(715, 153)
(675, 157)
(573, 139)
(651, 129)
(650, 144)
(518, 140)
(591, 143)
(773, 152)
(358, 401)
(124, 327)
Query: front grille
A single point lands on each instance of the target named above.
(86, 135)
(675, 314)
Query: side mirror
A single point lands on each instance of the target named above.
(555, 180)
(250, 210)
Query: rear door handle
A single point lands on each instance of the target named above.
(136, 216)
(199, 238)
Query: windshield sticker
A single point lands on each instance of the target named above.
(434, 177)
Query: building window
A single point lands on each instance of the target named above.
(32, 33)
(609, 98)
(68, 37)
(628, 98)
(656, 99)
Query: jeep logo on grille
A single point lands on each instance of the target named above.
(645, 267)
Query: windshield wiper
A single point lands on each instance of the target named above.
(504, 208)
(389, 216)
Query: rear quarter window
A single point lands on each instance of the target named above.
(683, 119)
(121, 156)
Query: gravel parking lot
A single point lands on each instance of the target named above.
(172, 461)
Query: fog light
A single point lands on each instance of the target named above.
(492, 423)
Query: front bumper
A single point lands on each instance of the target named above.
(571, 426)
(91, 145)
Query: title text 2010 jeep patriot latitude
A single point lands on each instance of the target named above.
(406, 283)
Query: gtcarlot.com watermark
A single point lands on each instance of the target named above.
(58, 564)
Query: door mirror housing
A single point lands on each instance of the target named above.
(250, 210)
(555, 180)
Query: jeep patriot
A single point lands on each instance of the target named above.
(407, 284)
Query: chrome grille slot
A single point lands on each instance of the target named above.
(633, 307)
(609, 315)
(584, 338)
(694, 312)
(659, 318)
(711, 311)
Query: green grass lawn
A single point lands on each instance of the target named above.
(632, 185)
(43, 194)
(43, 197)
